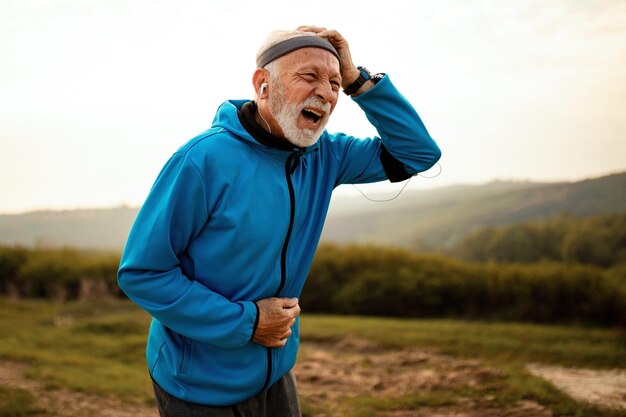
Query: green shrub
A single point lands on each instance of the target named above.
(11, 259)
(370, 280)
(594, 240)
(380, 281)
(61, 274)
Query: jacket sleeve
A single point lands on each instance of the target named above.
(150, 272)
(403, 148)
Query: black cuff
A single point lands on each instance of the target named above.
(256, 322)
(393, 168)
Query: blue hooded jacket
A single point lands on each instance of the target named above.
(230, 221)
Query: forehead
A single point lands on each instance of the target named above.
(319, 59)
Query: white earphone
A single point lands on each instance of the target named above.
(263, 88)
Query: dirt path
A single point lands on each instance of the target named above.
(67, 403)
(605, 388)
(330, 375)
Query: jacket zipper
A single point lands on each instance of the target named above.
(290, 166)
(289, 169)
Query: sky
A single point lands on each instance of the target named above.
(96, 95)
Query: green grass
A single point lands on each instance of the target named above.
(506, 347)
(503, 343)
(95, 347)
(19, 403)
(99, 347)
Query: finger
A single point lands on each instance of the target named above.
(310, 28)
(277, 343)
(293, 312)
(331, 35)
(289, 302)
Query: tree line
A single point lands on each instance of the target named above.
(370, 280)
(595, 240)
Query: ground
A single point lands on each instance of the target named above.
(67, 403)
(331, 375)
(600, 387)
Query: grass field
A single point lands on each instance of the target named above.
(97, 349)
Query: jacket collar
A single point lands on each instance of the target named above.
(247, 118)
(237, 116)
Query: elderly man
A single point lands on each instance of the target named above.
(220, 251)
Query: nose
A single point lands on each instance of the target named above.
(324, 91)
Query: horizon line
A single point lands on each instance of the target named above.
(126, 204)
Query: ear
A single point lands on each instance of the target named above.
(259, 78)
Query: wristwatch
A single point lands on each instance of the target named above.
(354, 87)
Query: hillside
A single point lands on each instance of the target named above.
(93, 228)
(440, 217)
(437, 217)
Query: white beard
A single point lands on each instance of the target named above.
(286, 114)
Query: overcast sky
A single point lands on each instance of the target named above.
(96, 95)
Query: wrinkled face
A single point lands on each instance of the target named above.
(304, 94)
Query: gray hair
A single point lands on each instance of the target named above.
(273, 70)
(278, 36)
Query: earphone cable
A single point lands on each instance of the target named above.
(401, 190)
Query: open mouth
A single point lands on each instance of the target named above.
(311, 115)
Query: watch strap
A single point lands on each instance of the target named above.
(354, 87)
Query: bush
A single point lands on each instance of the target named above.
(594, 240)
(389, 282)
(60, 274)
(370, 280)
(11, 259)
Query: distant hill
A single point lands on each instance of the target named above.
(437, 217)
(91, 229)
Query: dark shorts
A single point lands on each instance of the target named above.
(280, 400)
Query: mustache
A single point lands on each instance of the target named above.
(316, 102)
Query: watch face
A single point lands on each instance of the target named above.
(377, 77)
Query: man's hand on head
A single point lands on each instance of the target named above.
(276, 317)
(349, 72)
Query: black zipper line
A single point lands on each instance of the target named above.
(269, 369)
(289, 169)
